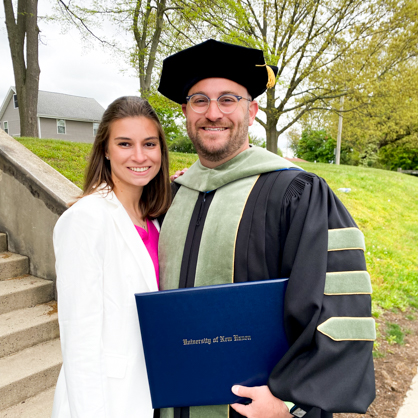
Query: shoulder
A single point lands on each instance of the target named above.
(90, 212)
(293, 182)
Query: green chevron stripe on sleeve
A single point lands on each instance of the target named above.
(345, 239)
(348, 283)
(349, 329)
(290, 405)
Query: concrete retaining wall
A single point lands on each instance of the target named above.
(32, 197)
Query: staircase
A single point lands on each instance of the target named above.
(30, 353)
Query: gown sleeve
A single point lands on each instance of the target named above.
(79, 250)
(328, 305)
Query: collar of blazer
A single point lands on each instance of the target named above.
(130, 235)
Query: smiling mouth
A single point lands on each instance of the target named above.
(214, 129)
(139, 169)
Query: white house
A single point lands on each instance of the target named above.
(60, 116)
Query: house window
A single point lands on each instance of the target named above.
(61, 126)
(15, 101)
(6, 127)
(95, 128)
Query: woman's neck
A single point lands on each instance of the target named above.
(130, 197)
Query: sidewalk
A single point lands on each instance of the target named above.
(409, 409)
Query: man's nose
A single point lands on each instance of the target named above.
(213, 112)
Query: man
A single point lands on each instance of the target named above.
(241, 214)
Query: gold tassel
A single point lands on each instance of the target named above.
(271, 81)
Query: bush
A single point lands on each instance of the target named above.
(170, 115)
(316, 145)
(182, 144)
(399, 155)
(319, 146)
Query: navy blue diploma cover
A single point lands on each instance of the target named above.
(199, 342)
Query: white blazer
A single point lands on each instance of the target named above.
(101, 262)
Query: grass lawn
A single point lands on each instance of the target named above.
(383, 203)
(385, 206)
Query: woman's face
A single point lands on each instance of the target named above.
(134, 152)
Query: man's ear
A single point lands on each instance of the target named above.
(183, 108)
(252, 112)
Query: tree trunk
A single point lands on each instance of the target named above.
(22, 32)
(147, 48)
(271, 123)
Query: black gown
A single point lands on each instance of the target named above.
(283, 232)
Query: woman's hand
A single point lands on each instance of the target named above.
(263, 405)
(178, 173)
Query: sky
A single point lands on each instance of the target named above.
(71, 66)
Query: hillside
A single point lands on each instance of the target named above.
(385, 207)
(383, 203)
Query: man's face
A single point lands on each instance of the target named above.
(218, 137)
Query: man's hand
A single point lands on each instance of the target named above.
(178, 173)
(263, 405)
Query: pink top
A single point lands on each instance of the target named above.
(150, 240)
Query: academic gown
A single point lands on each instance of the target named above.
(292, 225)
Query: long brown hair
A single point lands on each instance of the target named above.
(156, 196)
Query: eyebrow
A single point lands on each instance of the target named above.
(220, 94)
(125, 138)
(118, 138)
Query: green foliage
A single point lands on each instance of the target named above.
(378, 78)
(256, 140)
(170, 115)
(376, 352)
(182, 144)
(376, 344)
(399, 155)
(355, 43)
(394, 334)
(369, 157)
(316, 145)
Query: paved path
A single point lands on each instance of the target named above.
(409, 408)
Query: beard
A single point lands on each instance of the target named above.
(214, 154)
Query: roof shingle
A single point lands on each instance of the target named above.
(65, 106)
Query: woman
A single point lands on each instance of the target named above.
(101, 262)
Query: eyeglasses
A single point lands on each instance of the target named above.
(227, 103)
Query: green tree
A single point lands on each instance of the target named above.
(256, 140)
(307, 40)
(317, 145)
(157, 29)
(170, 115)
(23, 31)
(384, 116)
(403, 154)
(380, 83)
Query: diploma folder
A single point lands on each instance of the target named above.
(199, 342)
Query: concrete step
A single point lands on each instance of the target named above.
(39, 406)
(29, 372)
(27, 327)
(12, 265)
(3, 242)
(23, 292)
